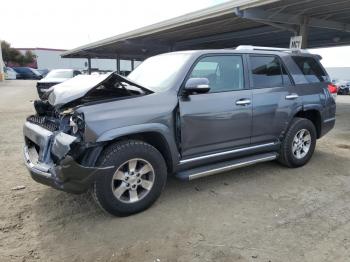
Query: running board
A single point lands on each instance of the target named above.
(221, 167)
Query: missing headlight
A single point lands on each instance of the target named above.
(77, 123)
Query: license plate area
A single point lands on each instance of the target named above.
(39, 139)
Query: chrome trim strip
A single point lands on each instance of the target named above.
(230, 167)
(224, 153)
(329, 120)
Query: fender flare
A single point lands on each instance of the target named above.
(161, 129)
(313, 107)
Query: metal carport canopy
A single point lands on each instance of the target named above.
(322, 23)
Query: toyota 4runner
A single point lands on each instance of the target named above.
(189, 114)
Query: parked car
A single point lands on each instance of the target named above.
(55, 77)
(10, 74)
(43, 72)
(27, 73)
(343, 88)
(189, 114)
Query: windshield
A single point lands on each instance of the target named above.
(159, 72)
(60, 74)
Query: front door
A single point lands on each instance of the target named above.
(220, 119)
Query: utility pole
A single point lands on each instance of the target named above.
(2, 75)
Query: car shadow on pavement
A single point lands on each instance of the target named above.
(62, 218)
(62, 204)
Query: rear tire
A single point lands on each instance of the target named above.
(299, 143)
(137, 181)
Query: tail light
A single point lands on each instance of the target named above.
(333, 89)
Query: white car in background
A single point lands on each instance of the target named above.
(55, 77)
(10, 74)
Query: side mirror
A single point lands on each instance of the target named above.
(197, 85)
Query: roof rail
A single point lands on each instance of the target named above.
(265, 48)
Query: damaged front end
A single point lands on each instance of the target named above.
(54, 149)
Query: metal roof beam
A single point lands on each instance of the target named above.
(259, 15)
(108, 55)
(227, 36)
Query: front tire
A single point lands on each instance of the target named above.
(299, 143)
(137, 181)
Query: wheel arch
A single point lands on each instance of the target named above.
(314, 115)
(157, 135)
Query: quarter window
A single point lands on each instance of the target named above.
(311, 69)
(225, 73)
(267, 71)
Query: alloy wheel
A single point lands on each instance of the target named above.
(301, 143)
(133, 180)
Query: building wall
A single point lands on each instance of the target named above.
(51, 59)
(339, 73)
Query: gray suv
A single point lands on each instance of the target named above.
(188, 114)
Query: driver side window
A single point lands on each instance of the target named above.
(224, 72)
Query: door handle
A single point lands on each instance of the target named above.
(292, 96)
(243, 102)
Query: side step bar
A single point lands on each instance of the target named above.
(221, 167)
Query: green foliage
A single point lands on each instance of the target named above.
(10, 54)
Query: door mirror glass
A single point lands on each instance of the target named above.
(197, 85)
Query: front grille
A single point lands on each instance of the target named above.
(43, 122)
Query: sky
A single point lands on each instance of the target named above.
(67, 24)
(335, 56)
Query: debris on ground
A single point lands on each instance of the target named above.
(18, 188)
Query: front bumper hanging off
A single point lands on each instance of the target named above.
(63, 174)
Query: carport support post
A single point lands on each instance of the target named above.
(89, 66)
(304, 32)
(118, 65)
(132, 64)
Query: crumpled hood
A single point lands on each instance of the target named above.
(80, 85)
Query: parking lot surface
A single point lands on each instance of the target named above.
(264, 212)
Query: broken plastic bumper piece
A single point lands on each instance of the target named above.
(63, 173)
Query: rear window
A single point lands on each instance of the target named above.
(311, 69)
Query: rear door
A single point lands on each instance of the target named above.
(274, 98)
(220, 119)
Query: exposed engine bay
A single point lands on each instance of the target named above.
(56, 110)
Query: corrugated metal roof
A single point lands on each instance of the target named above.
(219, 27)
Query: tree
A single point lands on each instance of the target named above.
(28, 57)
(10, 54)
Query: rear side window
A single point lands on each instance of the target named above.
(311, 69)
(267, 71)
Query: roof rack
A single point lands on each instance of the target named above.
(265, 48)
